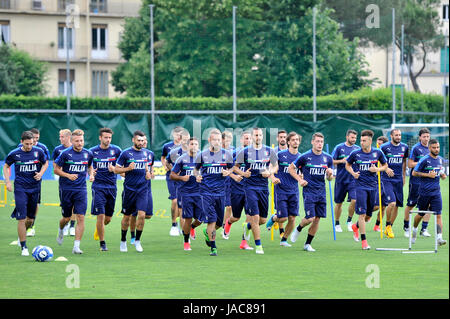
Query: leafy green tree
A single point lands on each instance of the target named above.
(20, 74)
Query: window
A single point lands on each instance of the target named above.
(99, 41)
(100, 83)
(62, 40)
(445, 12)
(445, 89)
(98, 6)
(36, 5)
(62, 82)
(4, 32)
(62, 4)
(444, 60)
(5, 4)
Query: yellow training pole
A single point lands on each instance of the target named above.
(380, 205)
(272, 190)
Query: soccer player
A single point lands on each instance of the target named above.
(429, 169)
(149, 211)
(133, 161)
(345, 183)
(176, 135)
(227, 141)
(104, 188)
(212, 166)
(65, 136)
(315, 165)
(30, 163)
(36, 135)
(380, 141)
(282, 141)
(71, 166)
(188, 191)
(286, 188)
(393, 178)
(237, 195)
(260, 163)
(171, 158)
(418, 151)
(365, 162)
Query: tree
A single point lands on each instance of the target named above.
(193, 50)
(20, 74)
(421, 28)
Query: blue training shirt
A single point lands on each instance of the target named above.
(185, 165)
(134, 179)
(342, 151)
(314, 168)
(418, 151)
(395, 156)
(429, 186)
(237, 187)
(361, 161)
(102, 158)
(26, 165)
(211, 164)
(288, 185)
(167, 148)
(74, 162)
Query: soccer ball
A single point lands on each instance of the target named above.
(42, 253)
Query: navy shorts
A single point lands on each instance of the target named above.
(149, 210)
(393, 192)
(179, 201)
(315, 205)
(228, 193)
(413, 194)
(171, 187)
(26, 203)
(287, 205)
(192, 207)
(257, 202)
(103, 201)
(213, 208)
(134, 200)
(342, 189)
(431, 203)
(73, 200)
(365, 201)
(237, 204)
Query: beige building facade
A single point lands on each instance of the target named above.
(39, 27)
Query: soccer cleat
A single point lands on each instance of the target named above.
(138, 246)
(103, 248)
(441, 241)
(225, 235)
(31, 232)
(132, 240)
(270, 222)
(244, 245)
(414, 235)
(259, 250)
(60, 237)
(425, 233)
(365, 245)
(187, 246)
(96, 234)
(285, 244)
(72, 231)
(174, 231)
(355, 232)
(213, 252)
(123, 246)
(338, 229)
(205, 232)
(377, 228)
(66, 230)
(388, 232)
(227, 227)
(406, 232)
(25, 252)
(77, 251)
(308, 247)
(294, 235)
(349, 226)
(192, 234)
(247, 232)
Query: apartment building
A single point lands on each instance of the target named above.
(39, 27)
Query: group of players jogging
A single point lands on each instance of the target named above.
(216, 185)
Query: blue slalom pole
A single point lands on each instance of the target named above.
(332, 208)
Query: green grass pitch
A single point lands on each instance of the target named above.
(338, 269)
